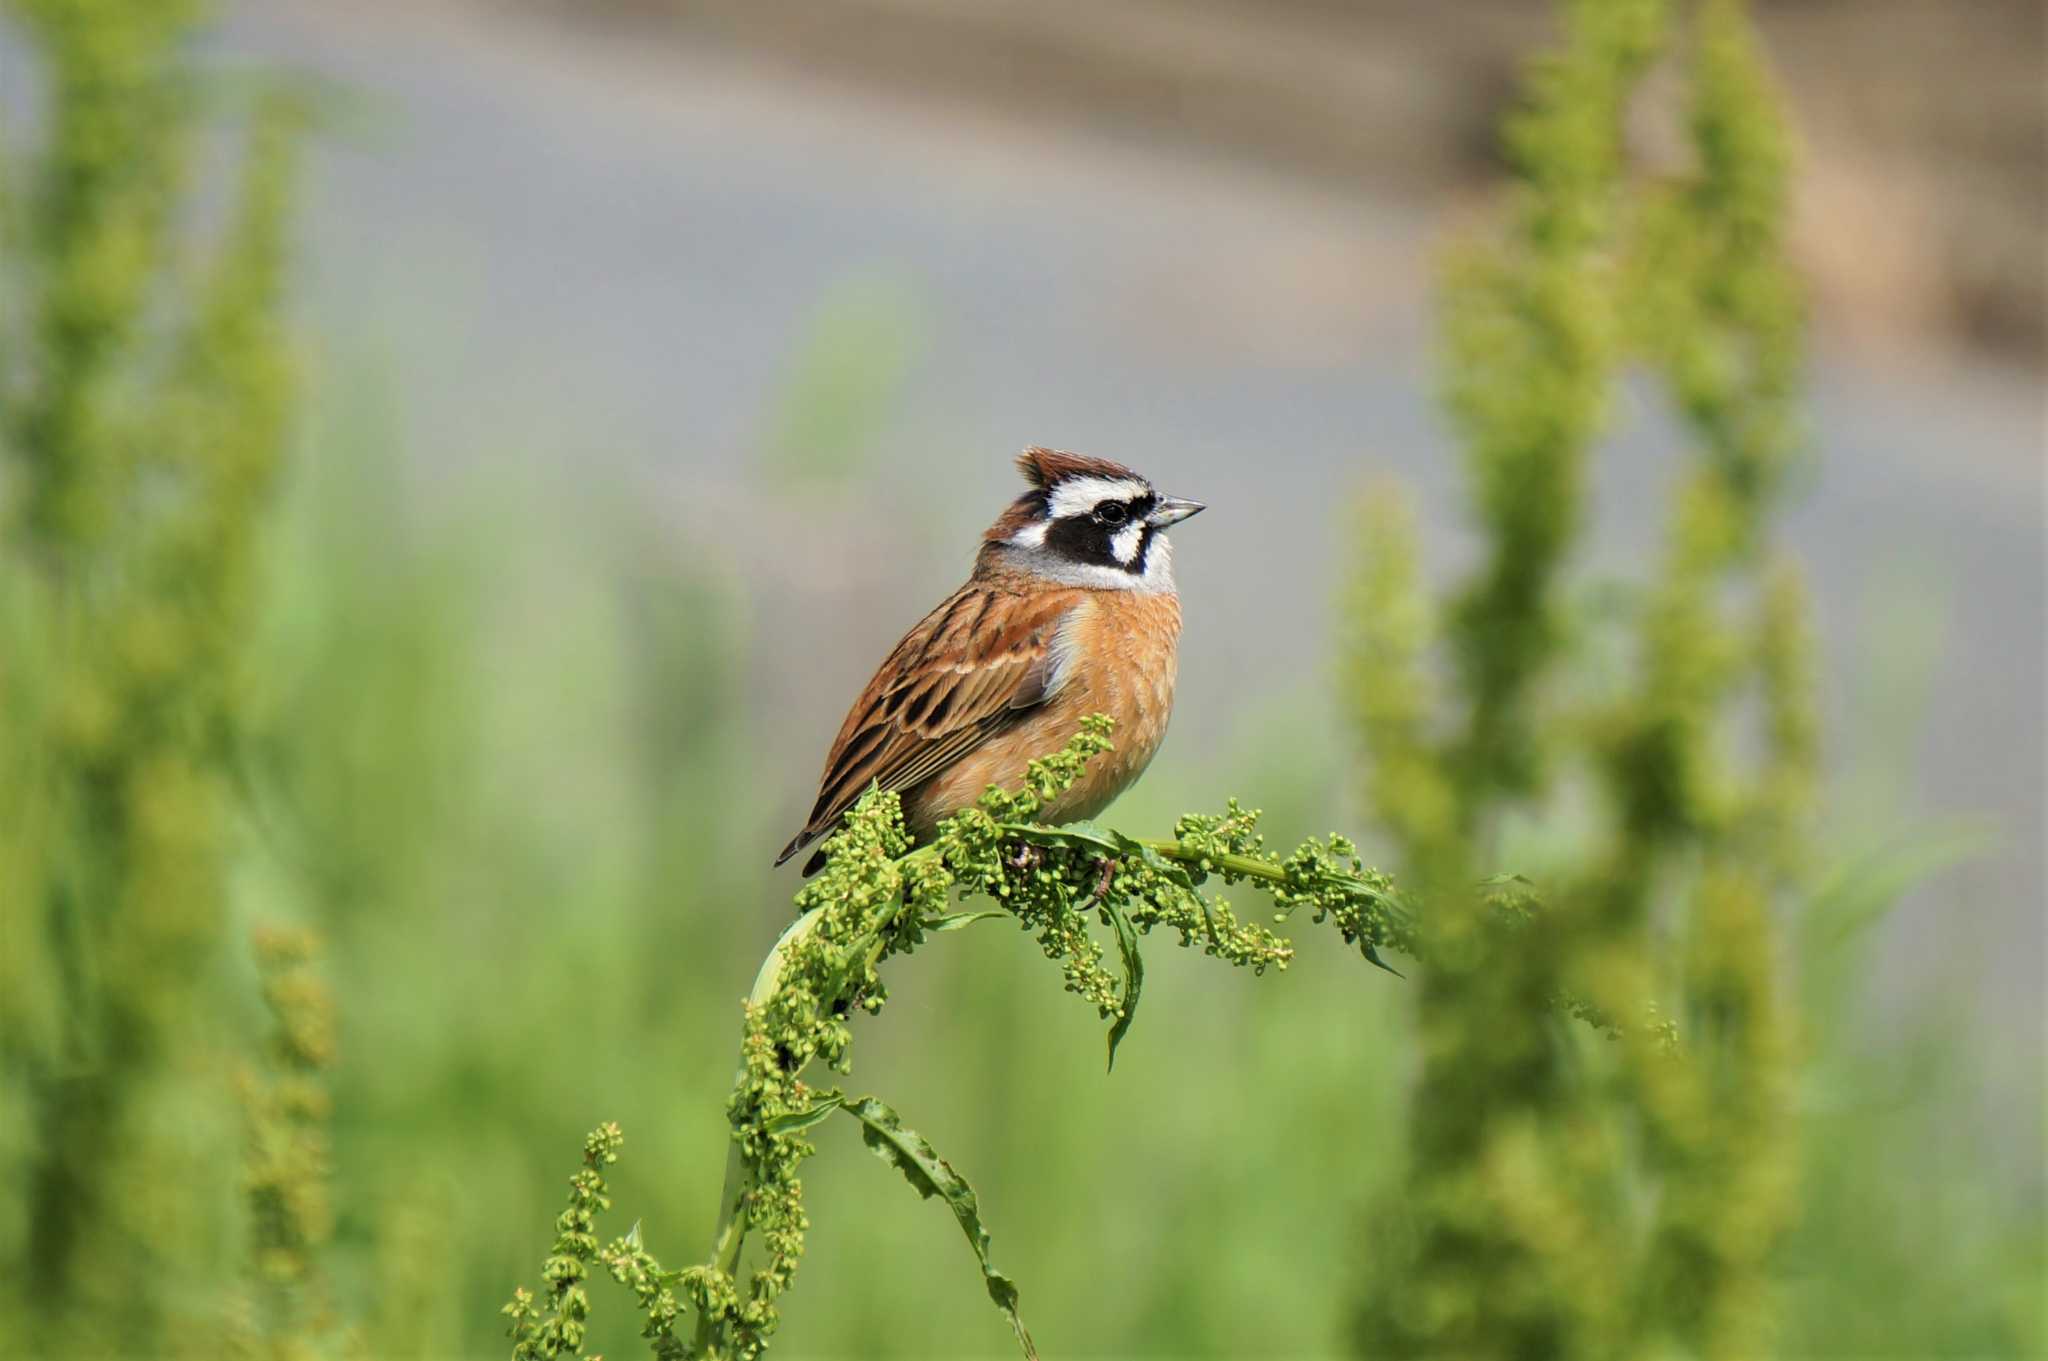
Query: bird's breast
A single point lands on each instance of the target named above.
(1123, 649)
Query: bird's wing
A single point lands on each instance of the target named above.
(973, 666)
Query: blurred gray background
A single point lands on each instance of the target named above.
(626, 239)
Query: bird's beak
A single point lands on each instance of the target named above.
(1171, 510)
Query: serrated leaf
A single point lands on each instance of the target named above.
(789, 1122)
(930, 1175)
(1134, 974)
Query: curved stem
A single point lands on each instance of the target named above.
(729, 1240)
(731, 1233)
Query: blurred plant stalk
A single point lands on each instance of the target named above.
(1568, 1196)
(143, 407)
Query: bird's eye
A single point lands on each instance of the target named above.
(1112, 513)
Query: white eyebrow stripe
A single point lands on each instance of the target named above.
(1079, 495)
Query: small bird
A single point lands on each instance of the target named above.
(1071, 610)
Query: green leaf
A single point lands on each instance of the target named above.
(1861, 893)
(1134, 973)
(953, 921)
(1095, 834)
(1085, 835)
(789, 1122)
(1116, 846)
(884, 1133)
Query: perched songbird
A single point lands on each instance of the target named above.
(1071, 611)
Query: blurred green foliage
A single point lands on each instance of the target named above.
(287, 1166)
(492, 736)
(845, 383)
(1659, 761)
(144, 410)
(1564, 1196)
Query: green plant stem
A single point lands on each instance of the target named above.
(730, 1238)
(731, 1234)
(1242, 866)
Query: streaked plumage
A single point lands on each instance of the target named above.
(1071, 610)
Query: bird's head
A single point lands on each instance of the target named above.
(1087, 522)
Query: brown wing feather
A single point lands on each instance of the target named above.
(969, 668)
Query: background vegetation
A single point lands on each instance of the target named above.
(493, 754)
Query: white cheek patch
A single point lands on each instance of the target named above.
(1080, 495)
(1125, 544)
(1032, 535)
